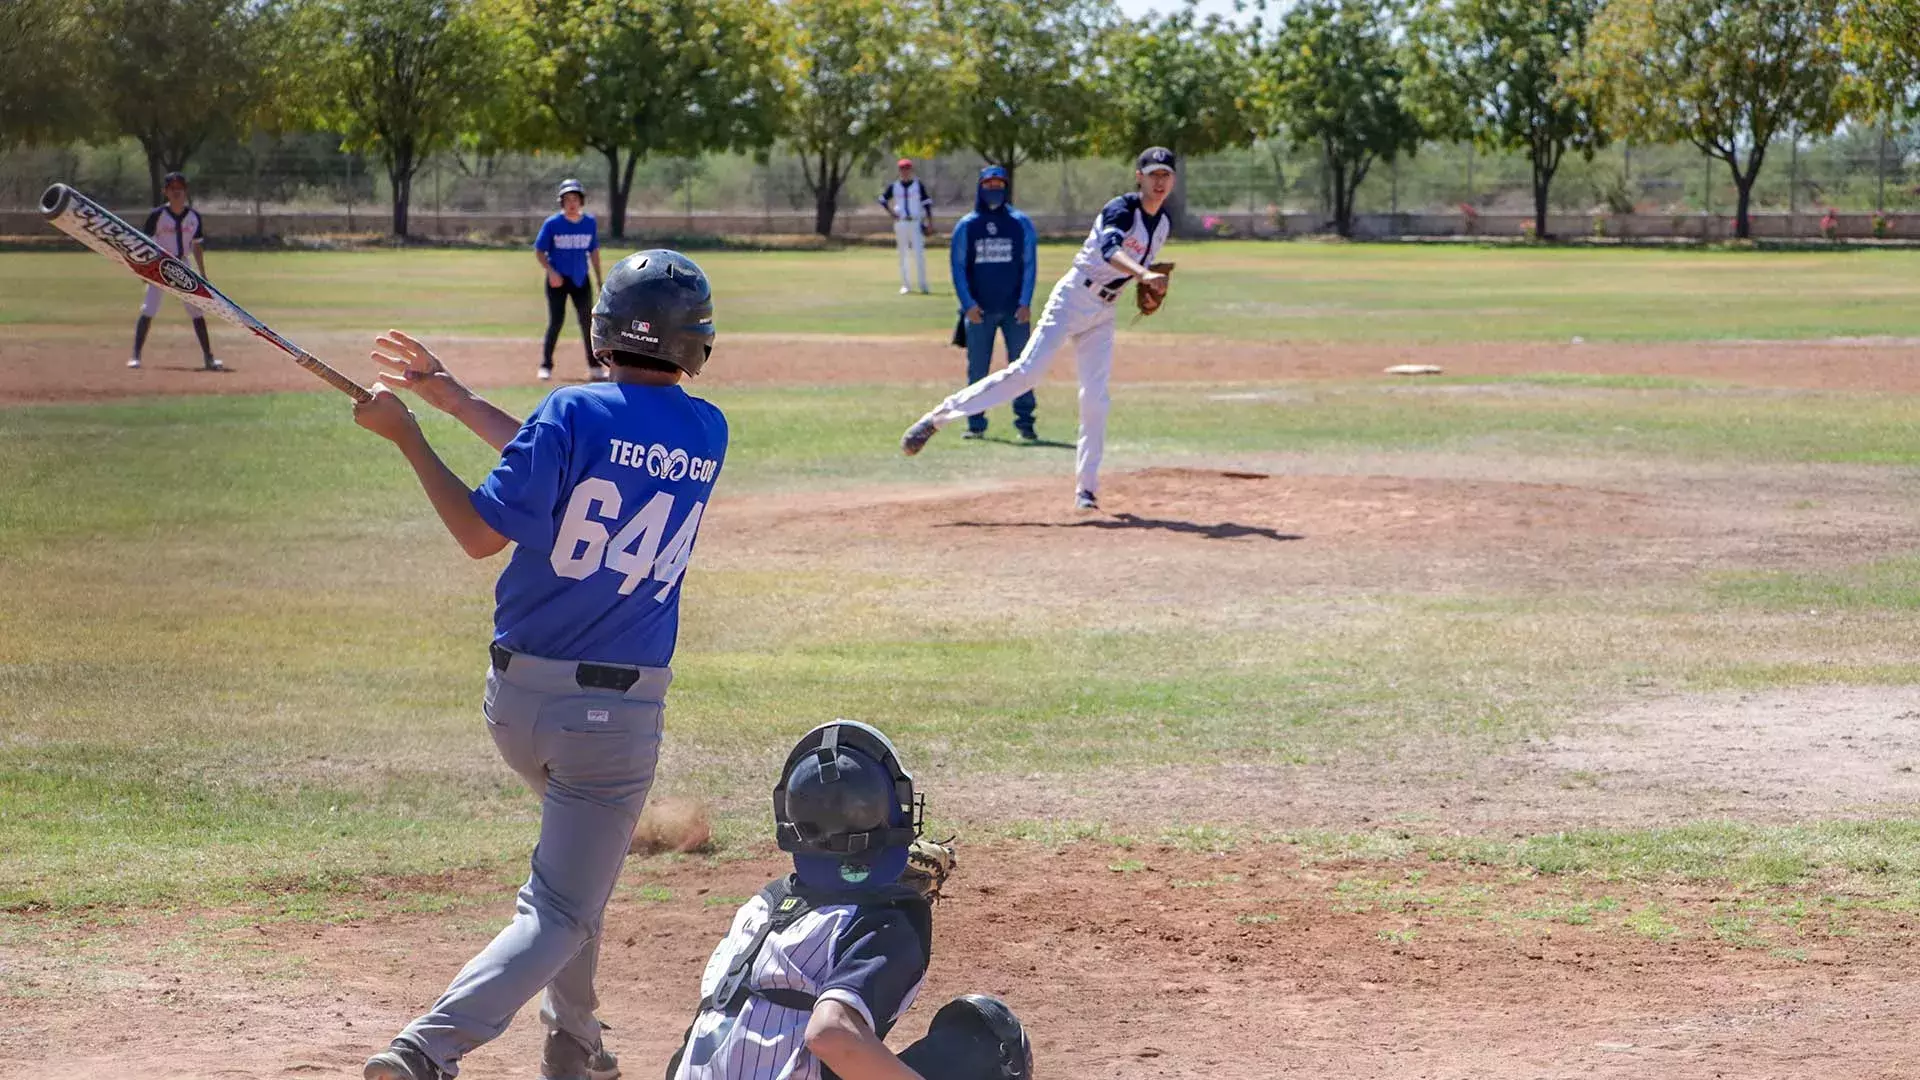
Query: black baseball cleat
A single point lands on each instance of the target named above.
(971, 434)
(916, 437)
(402, 1061)
(1027, 434)
(567, 1058)
(1085, 500)
(211, 364)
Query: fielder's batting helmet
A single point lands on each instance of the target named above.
(656, 304)
(568, 187)
(844, 793)
(972, 1037)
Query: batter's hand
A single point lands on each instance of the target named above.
(975, 315)
(386, 415)
(1023, 314)
(405, 362)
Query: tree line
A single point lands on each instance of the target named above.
(843, 83)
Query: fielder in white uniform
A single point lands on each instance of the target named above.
(1125, 240)
(175, 226)
(912, 209)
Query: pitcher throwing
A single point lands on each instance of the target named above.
(1122, 247)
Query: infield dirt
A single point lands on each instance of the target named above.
(55, 366)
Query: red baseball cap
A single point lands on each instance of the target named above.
(903, 163)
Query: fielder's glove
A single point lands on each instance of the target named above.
(929, 864)
(1150, 297)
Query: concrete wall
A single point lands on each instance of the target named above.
(494, 227)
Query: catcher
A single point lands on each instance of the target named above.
(817, 968)
(1121, 248)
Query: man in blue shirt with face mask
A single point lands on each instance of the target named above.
(994, 255)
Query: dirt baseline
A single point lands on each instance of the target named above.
(1135, 963)
(69, 367)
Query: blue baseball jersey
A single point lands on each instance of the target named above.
(871, 960)
(603, 490)
(567, 244)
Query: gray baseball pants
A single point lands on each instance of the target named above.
(590, 754)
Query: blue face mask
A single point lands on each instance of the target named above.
(993, 198)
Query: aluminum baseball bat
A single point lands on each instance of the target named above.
(102, 230)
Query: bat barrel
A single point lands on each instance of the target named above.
(53, 201)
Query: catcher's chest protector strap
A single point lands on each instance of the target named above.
(786, 906)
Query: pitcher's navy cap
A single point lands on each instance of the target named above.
(1155, 159)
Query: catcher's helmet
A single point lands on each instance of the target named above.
(658, 304)
(843, 793)
(972, 1037)
(568, 187)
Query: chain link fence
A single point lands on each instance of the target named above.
(307, 183)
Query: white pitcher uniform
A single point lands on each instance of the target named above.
(1080, 310)
(911, 208)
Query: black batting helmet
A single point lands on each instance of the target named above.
(568, 187)
(173, 178)
(656, 304)
(844, 793)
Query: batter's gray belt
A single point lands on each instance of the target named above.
(1108, 292)
(615, 677)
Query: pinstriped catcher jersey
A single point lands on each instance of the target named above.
(869, 958)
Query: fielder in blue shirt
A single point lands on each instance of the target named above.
(602, 490)
(994, 255)
(567, 241)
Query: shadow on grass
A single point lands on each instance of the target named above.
(1225, 530)
(1003, 440)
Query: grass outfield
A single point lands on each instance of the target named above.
(1260, 292)
(237, 652)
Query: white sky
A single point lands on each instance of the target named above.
(1137, 8)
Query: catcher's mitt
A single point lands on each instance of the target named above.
(1149, 298)
(929, 864)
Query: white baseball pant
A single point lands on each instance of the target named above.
(151, 305)
(1074, 313)
(907, 238)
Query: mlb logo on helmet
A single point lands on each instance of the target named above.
(643, 326)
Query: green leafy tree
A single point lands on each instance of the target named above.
(628, 78)
(1335, 81)
(174, 73)
(36, 54)
(862, 75)
(401, 79)
(1022, 82)
(1727, 76)
(1881, 42)
(1177, 81)
(1502, 72)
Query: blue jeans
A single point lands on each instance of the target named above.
(980, 361)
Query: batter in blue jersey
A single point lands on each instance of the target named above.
(601, 491)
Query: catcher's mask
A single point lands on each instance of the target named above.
(843, 794)
(656, 304)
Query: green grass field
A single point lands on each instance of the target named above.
(1260, 292)
(237, 653)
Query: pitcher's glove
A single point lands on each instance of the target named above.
(1150, 297)
(929, 864)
